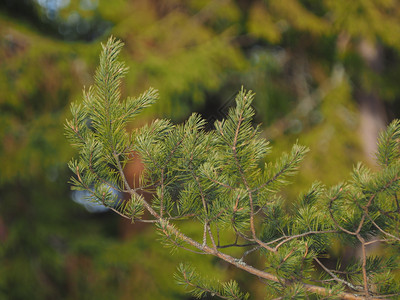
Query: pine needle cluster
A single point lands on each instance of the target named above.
(222, 179)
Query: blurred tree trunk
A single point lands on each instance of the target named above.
(372, 111)
(133, 171)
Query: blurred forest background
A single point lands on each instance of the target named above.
(325, 72)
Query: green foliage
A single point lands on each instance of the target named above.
(220, 180)
(388, 144)
(199, 287)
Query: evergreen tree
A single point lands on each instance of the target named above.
(222, 180)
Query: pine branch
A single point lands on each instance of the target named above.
(216, 179)
(388, 144)
(188, 277)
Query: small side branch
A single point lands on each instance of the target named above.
(334, 276)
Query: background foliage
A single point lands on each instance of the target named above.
(321, 70)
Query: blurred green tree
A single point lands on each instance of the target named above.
(40, 74)
(300, 57)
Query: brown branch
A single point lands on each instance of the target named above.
(162, 194)
(302, 235)
(236, 245)
(364, 265)
(381, 230)
(220, 183)
(250, 269)
(212, 238)
(365, 212)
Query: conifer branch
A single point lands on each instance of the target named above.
(244, 180)
(297, 236)
(334, 277)
(215, 179)
(383, 231)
